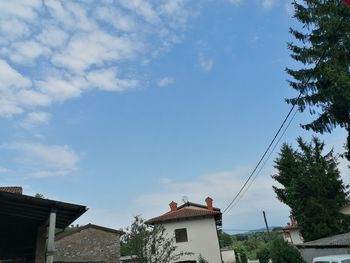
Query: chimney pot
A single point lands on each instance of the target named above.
(173, 206)
(209, 202)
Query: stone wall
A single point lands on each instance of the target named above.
(89, 244)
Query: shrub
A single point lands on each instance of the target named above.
(263, 255)
(282, 252)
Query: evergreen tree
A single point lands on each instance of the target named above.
(282, 252)
(325, 33)
(312, 188)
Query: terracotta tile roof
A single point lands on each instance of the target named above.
(185, 213)
(12, 189)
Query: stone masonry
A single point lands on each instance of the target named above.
(88, 243)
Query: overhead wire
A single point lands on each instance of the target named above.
(304, 85)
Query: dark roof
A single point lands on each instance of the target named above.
(185, 211)
(78, 229)
(12, 189)
(38, 209)
(342, 240)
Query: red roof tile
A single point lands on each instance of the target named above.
(12, 189)
(185, 213)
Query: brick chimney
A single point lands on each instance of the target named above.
(173, 206)
(209, 202)
(12, 189)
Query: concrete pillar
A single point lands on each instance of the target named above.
(40, 244)
(51, 237)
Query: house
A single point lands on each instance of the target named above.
(27, 225)
(333, 245)
(291, 232)
(194, 227)
(89, 243)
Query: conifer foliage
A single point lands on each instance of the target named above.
(325, 34)
(312, 188)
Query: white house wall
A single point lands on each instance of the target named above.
(295, 235)
(202, 239)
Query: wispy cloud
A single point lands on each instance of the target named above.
(78, 46)
(268, 4)
(41, 160)
(205, 63)
(222, 187)
(166, 81)
(35, 118)
(4, 170)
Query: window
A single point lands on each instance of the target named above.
(181, 235)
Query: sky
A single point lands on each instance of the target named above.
(127, 105)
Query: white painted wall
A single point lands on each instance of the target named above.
(228, 256)
(202, 239)
(295, 236)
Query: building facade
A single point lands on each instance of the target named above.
(291, 232)
(194, 228)
(90, 243)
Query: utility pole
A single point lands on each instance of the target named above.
(267, 226)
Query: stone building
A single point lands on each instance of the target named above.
(90, 243)
(27, 225)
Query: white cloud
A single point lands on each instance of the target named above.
(222, 187)
(4, 170)
(117, 19)
(166, 81)
(36, 118)
(52, 36)
(78, 46)
(108, 80)
(268, 4)
(205, 63)
(10, 78)
(99, 48)
(27, 51)
(142, 8)
(43, 160)
(21, 9)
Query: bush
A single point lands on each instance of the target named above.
(282, 252)
(263, 255)
(241, 256)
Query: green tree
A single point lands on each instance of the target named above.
(282, 252)
(225, 240)
(325, 34)
(263, 255)
(312, 188)
(150, 244)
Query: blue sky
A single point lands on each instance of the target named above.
(126, 105)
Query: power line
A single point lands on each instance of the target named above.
(266, 160)
(304, 85)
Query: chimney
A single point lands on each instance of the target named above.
(209, 202)
(12, 189)
(173, 206)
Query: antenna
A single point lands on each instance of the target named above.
(185, 199)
